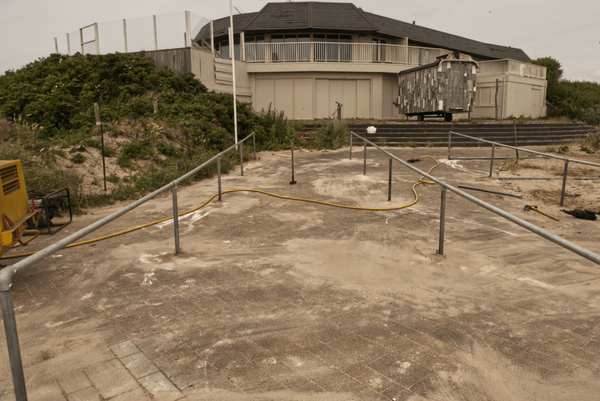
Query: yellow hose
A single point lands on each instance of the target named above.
(421, 181)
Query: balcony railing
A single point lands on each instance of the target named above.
(340, 53)
(512, 67)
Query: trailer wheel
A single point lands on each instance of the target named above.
(421, 117)
(447, 117)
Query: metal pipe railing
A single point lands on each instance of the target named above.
(6, 274)
(545, 155)
(581, 251)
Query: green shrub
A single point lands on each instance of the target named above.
(78, 158)
(331, 136)
(113, 178)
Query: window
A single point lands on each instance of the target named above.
(255, 48)
(379, 50)
(333, 47)
(223, 47)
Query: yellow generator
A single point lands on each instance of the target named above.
(15, 208)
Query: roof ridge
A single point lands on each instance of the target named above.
(362, 14)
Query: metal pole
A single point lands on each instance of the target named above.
(219, 174)
(12, 342)
(293, 179)
(390, 183)
(516, 143)
(492, 160)
(562, 194)
(242, 158)
(496, 102)
(103, 162)
(351, 146)
(365, 166)
(254, 144)
(56, 44)
(175, 218)
(442, 221)
(449, 143)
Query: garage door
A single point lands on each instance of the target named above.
(354, 94)
(300, 100)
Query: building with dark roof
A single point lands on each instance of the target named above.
(303, 57)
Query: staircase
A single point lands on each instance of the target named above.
(436, 134)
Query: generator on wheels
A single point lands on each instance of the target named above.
(439, 89)
(23, 212)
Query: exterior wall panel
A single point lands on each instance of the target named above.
(303, 99)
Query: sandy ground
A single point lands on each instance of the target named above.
(274, 299)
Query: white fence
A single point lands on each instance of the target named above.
(340, 52)
(155, 32)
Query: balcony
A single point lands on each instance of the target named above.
(512, 67)
(347, 53)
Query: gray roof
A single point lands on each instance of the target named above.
(425, 36)
(310, 15)
(345, 17)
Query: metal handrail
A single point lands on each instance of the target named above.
(8, 272)
(525, 150)
(594, 257)
(494, 144)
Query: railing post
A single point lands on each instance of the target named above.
(254, 144)
(442, 221)
(492, 159)
(564, 184)
(449, 143)
(351, 145)
(390, 182)
(219, 175)
(242, 158)
(365, 164)
(12, 342)
(175, 219)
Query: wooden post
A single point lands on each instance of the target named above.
(155, 106)
(125, 34)
(212, 37)
(56, 45)
(81, 40)
(68, 45)
(155, 34)
(97, 38)
(188, 29)
(516, 143)
(496, 102)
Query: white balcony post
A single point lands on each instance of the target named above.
(242, 46)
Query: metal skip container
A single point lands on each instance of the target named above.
(439, 89)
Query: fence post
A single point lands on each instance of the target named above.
(365, 164)
(442, 221)
(12, 342)
(390, 183)
(492, 159)
(564, 184)
(175, 218)
(449, 143)
(254, 144)
(219, 174)
(351, 145)
(242, 158)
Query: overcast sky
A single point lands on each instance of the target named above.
(566, 30)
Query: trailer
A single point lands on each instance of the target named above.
(439, 89)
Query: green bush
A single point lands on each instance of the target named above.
(78, 158)
(331, 136)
